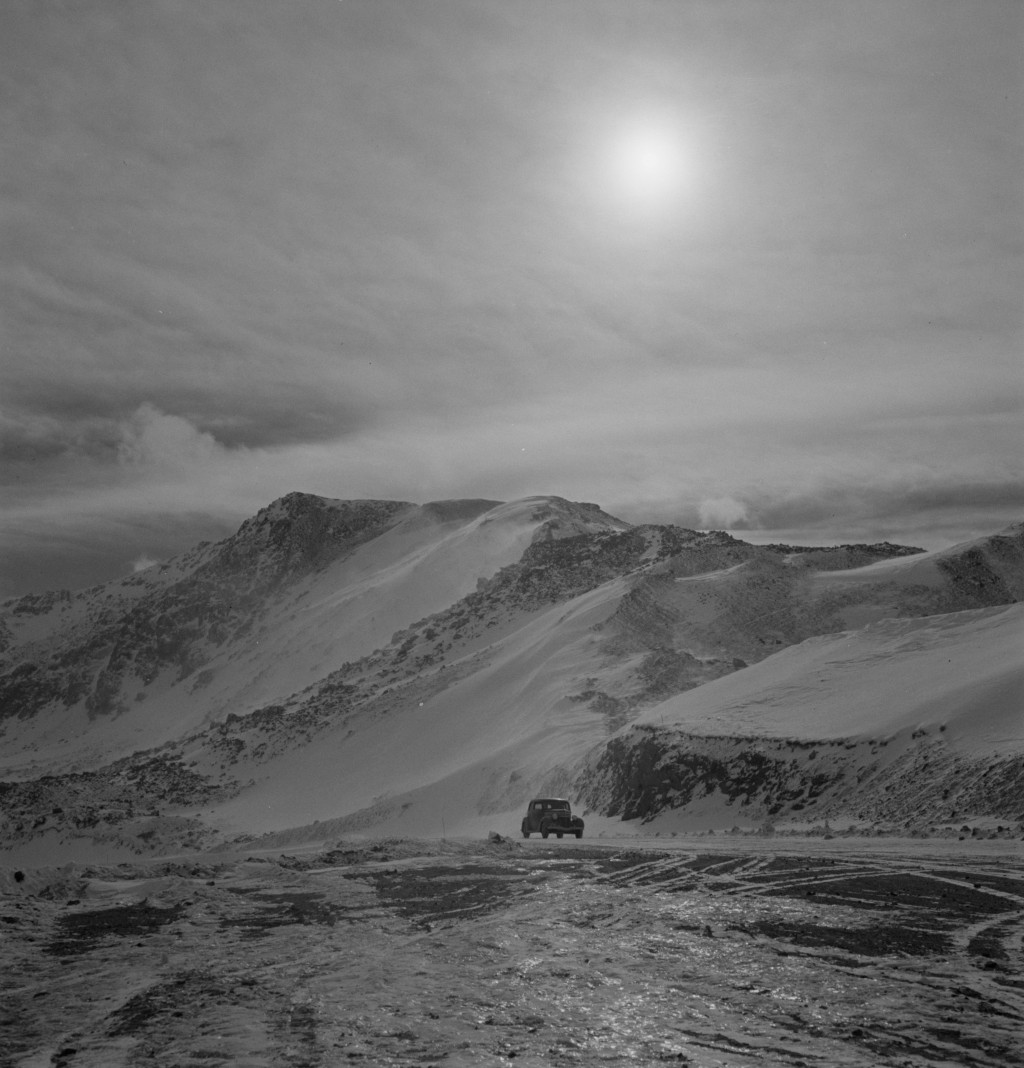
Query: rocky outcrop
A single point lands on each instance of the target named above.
(906, 780)
(301, 533)
(842, 557)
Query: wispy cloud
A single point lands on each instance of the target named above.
(370, 249)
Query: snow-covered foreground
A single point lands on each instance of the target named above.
(399, 952)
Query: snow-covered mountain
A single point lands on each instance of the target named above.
(381, 664)
(303, 587)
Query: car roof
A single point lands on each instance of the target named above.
(559, 800)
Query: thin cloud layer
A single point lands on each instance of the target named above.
(379, 249)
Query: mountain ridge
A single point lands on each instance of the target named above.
(406, 645)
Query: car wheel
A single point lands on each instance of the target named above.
(526, 834)
(559, 834)
(579, 834)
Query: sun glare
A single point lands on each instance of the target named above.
(647, 164)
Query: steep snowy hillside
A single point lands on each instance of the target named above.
(384, 664)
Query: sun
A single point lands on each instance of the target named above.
(647, 163)
(643, 168)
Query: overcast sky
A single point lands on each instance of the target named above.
(745, 265)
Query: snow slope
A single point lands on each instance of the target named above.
(962, 672)
(492, 725)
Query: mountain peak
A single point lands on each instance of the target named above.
(561, 518)
(297, 504)
(303, 530)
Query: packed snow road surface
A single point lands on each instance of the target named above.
(416, 953)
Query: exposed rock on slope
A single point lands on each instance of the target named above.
(650, 773)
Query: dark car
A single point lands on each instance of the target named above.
(551, 815)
